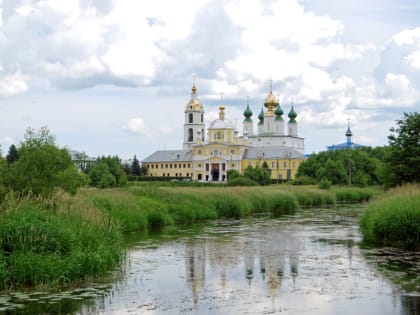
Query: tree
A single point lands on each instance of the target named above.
(135, 167)
(42, 167)
(12, 155)
(404, 157)
(258, 174)
(108, 173)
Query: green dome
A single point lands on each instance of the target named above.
(278, 112)
(261, 117)
(292, 114)
(248, 113)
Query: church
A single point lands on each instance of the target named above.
(208, 154)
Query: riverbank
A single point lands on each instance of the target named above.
(71, 239)
(393, 218)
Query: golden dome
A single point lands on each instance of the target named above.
(194, 104)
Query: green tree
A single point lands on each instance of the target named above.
(135, 167)
(404, 157)
(258, 174)
(42, 167)
(12, 155)
(104, 169)
(232, 174)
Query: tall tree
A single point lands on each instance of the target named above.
(135, 167)
(42, 167)
(404, 158)
(12, 155)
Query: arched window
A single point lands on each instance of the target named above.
(190, 118)
(202, 117)
(190, 134)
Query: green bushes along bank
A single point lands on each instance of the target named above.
(393, 219)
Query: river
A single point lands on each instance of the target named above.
(307, 263)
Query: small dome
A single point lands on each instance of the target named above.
(194, 104)
(248, 113)
(292, 114)
(270, 101)
(221, 124)
(278, 110)
(348, 132)
(261, 117)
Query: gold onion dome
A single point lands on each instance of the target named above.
(194, 103)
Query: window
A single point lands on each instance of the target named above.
(190, 135)
(199, 152)
(294, 164)
(207, 167)
(183, 165)
(202, 119)
(176, 174)
(284, 164)
(157, 166)
(190, 118)
(232, 151)
(202, 130)
(223, 167)
(153, 166)
(188, 174)
(170, 165)
(166, 165)
(189, 165)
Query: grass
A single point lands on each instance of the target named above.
(393, 219)
(69, 239)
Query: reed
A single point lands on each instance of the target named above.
(393, 219)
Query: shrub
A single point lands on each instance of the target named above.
(304, 180)
(325, 184)
(242, 181)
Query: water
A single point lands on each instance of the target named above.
(308, 263)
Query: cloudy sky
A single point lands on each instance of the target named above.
(113, 76)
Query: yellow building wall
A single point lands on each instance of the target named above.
(170, 169)
(277, 167)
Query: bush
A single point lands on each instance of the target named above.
(324, 184)
(304, 180)
(242, 181)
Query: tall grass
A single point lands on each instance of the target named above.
(42, 246)
(393, 219)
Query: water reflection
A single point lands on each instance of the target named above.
(307, 263)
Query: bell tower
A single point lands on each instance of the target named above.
(194, 126)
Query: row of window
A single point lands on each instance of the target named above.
(170, 165)
(275, 164)
(216, 152)
(169, 175)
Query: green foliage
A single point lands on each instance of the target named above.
(40, 247)
(241, 181)
(258, 174)
(13, 155)
(135, 167)
(354, 194)
(42, 168)
(108, 173)
(304, 180)
(394, 219)
(367, 166)
(325, 184)
(232, 174)
(404, 157)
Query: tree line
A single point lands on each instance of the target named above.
(38, 167)
(391, 165)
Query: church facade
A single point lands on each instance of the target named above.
(209, 156)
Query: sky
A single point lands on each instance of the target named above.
(112, 77)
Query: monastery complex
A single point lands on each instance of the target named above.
(208, 156)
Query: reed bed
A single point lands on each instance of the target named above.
(393, 219)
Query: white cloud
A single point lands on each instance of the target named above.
(13, 84)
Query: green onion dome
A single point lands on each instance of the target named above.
(278, 112)
(248, 113)
(292, 115)
(261, 117)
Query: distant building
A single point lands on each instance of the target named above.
(82, 161)
(349, 144)
(224, 149)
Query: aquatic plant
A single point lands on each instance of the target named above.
(394, 218)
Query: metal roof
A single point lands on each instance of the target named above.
(169, 156)
(272, 153)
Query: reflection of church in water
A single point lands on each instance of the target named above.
(209, 156)
(273, 261)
